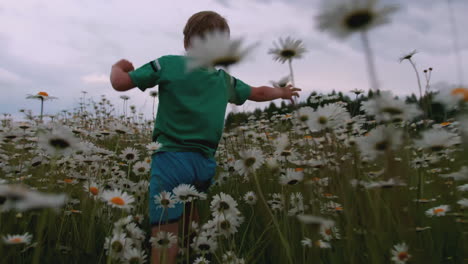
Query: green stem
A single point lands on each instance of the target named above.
(370, 61)
(275, 222)
(40, 233)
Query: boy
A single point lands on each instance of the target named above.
(190, 119)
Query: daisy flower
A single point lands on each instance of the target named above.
(20, 198)
(43, 96)
(215, 48)
(201, 260)
(185, 193)
(357, 91)
(437, 140)
(118, 199)
(135, 232)
(438, 211)
(230, 258)
(92, 188)
(400, 253)
(223, 204)
(283, 82)
(135, 256)
(165, 200)
(250, 198)
(328, 116)
(408, 56)
(153, 146)
(129, 154)
(322, 244)
(343, 19)
(58, 141)
(250, 161)
(226, 224)
(117, 244)
(460, 175)
(163, 240)
(306, 242)
(450, 95)
(204, 244)
(463, 202)
(329, 231)
(291, 177)
(463, 188)
(287, 49)
(141, 168)
(17, 239)
(387, 108)
(379, 141)
(120, 129)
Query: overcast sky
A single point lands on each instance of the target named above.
(64, 47)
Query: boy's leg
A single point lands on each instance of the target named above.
(189, 218)
(171, 253)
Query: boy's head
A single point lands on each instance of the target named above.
(202, 22)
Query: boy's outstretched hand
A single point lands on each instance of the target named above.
(289, 92)
(265, 93)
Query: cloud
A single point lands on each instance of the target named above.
(64, 47)
(95, 79)
(7, 76)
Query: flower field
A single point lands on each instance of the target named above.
(315, 184)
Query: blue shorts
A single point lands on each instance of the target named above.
(169, 170)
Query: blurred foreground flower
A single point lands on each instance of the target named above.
(344, 19)
(20, 198)
(451, 96)
(215, 48)
(387, 108)
(59, 142)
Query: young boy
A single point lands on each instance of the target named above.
(190, 119)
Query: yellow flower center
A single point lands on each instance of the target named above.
(438, 210)
(445, 123)
(461, 91)
(328, 231)
(43, 93)
(403, 256)
(299, 169)
(94, 190)
(117, 201)
(338, 208)
(16, 240)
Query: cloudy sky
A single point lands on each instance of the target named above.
(64, 47)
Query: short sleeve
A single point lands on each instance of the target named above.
(146, 76)
(241, 91)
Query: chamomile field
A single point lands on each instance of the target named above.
(367, 178)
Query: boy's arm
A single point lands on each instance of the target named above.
(119, 77)
(265, 93)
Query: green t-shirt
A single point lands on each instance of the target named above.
(192, 105)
